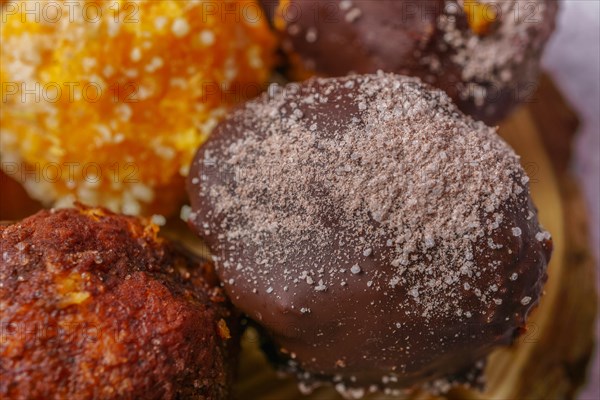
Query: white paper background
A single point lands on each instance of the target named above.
(573, 59)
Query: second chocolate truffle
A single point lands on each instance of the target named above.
(484, 54)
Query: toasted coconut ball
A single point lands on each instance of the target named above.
(106, 101)
(95, 305)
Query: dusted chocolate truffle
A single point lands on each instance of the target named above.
(380, 237)
(95, 305)
(484, 54)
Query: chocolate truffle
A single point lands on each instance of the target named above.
(381, 238)
(484, 54)
(96, 305)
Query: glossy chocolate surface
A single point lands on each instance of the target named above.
(334, 303)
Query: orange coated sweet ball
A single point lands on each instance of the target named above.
(106, 101)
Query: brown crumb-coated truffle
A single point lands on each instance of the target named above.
(381, 238)
(484, 53)
(96, 305)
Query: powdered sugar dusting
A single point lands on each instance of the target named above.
(405, 179)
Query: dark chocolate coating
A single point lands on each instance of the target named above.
(325, 38)
(353, 334)
(385, 36)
